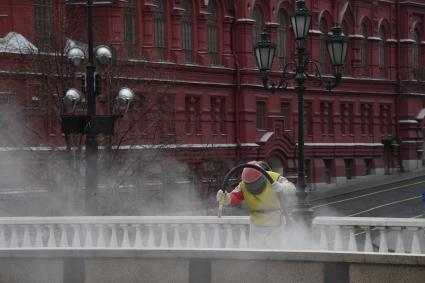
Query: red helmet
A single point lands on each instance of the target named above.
(251, 175)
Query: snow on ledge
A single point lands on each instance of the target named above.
(15, 42)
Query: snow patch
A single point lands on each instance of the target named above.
(14, 42)
(70, 43)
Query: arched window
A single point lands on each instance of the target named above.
(187, 31)
(363, 50)
(347, 66)
(258, 24)
(381, 50)
(212, 33)
(282, 38)
(42, 18)
(130, 27)
(415, 50)
(160, 29)
(323, 50)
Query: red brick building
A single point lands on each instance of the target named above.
(197, 56)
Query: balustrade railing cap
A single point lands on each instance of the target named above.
(69, 220)
(369, 221)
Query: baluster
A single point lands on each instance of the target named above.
(176, 241)
(3, 243)
(113, 243)
(323, 239)
(383, 246)
(38, 236)
(13, 237)
(368, 247)
(138, 237)
(416, 247)
(88, 240)
(64, 236)
(243, 240)
(399, 248)
(101, 241)
(338, 241)
(164, 242)
(190, 242)
(151, 237)
(51, 240)
(76, 241)
(125, 238)
(352, 244)
(229, 237)
(26, 240)
(216, 236)
(203, 243)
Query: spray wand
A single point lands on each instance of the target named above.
(221, 205)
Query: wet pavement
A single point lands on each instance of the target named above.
(365, 183)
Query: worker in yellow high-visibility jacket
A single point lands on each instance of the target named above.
(264, 203)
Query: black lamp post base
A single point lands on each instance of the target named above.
(302, 214)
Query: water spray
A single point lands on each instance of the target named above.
(230, 174)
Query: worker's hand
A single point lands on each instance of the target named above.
(277, 187)
(282, 185)
(225, 196)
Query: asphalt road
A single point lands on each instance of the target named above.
(403, 199)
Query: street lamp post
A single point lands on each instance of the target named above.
(91, 124)
(91, 176)
(264, 53)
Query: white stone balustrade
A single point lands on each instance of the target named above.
(353, 234)
(370, 234)
(124, 232)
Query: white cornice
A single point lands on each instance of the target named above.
(271, 24)
(132, 147)
(243, 20)
(94, 3)
(374, 38)
(407, 122)
(412, 141)
(407, 40)
(315, 31)
(342, 144)
(405, 3)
